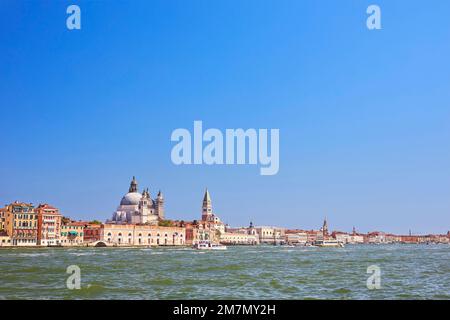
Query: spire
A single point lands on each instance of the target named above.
(207, 197)
(207, 207)
(160, 195)
(133, 185)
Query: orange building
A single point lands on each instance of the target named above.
(49, 225)
(21, 224)
(2, 218)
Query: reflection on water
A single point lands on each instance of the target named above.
(407, 272)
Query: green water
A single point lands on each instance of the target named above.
(407, 272)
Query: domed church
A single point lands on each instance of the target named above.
(139, 208)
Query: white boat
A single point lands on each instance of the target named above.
(207, 245)
(328, 243)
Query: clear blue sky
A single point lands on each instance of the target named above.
(364, 116)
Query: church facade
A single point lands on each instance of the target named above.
(139, 208)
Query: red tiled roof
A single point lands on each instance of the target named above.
(47, 206)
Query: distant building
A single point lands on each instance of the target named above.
(2, 218)
(314, 235)
(92, 232)
(139, 208)
(21, 224)
(49, 225)
(342, 237)
(142, 235)
(209, 219)
(376, 237)
(5, 240)
(270, 235)
(72, 234)
(296, 237)
(236, 238)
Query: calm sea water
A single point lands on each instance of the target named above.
(407, 272)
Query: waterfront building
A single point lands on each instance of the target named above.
(5, 240)
(407, 239)
(49, 225)
(21, 223)
(376, 237)
(313, 235)
(357, 239)
(139, 208)
(72, 233)
(196, 231)
(296, 237)
(2, 218)
(238, 238)
(142, 235)
(270, 235)
(342, 237)
(92, 232)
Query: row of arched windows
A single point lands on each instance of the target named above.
(150, 240)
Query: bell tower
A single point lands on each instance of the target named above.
(160, 205)
(325, 228)
(207, 207)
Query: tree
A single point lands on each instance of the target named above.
(165, 223)
(66, 220)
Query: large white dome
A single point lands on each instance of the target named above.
(131, 199)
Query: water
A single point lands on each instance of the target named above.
(407, 272)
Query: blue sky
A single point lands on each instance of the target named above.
(363, 115)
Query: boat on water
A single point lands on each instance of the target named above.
(208, 245)
(329, 243)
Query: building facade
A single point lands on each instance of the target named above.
(270, 235)
(139, 208)
(72, 234)
(21, 224)
(2, 218)
(5, 240)
(296, 237)
(49, 225)
(92, 232)
(142, 235)
(235, 238)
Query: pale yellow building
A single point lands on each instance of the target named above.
(5, 240)
(142, 235)
(238, 238)
(72, 234)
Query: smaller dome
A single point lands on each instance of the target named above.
(131, 199)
